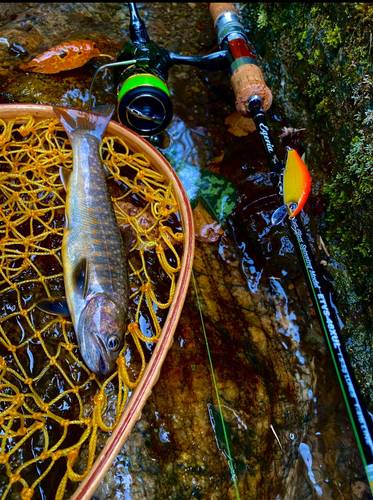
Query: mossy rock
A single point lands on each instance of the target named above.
(317, 60)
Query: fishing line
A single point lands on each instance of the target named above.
(109, 65)
(216, 391)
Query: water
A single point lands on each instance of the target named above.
(290, 435)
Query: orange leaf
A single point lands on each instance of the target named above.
(239, 125)
(206, 228)
(62, 57)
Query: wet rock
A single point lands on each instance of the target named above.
(275, 384)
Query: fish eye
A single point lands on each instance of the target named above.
(113, 343)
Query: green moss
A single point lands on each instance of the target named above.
(317, 60)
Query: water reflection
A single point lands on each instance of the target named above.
(252, 273)
(286, 319)
(182, 145)
(305, 409)
(17, 49)
(314, 436)
(307, 457)
(287, 322)
(76, 96)
(163, 434)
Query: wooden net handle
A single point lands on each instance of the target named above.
(247, 80)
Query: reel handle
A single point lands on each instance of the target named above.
(246, 77)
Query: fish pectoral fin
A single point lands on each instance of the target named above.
(54, 306)
(80, 278)
(66, 222)
(279, 215)
(65, 176)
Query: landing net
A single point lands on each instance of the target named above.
(53, 410)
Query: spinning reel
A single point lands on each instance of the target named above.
(141, 71)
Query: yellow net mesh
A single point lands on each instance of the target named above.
(52, 408)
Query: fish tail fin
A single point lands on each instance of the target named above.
(94, 122)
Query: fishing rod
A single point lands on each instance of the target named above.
(292, 184)
(141, 71)
(144, 105)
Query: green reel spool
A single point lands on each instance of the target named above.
(144, 103)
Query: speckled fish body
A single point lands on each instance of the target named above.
(296, 183)
(93, 252)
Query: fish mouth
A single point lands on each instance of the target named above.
(96, 361)
(103, 365)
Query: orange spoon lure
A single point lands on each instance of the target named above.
(296, 183)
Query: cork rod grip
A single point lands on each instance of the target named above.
(247, 80)
(217, 9)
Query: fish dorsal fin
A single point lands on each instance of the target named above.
(80, 278)
(88, 121)
(279, 215)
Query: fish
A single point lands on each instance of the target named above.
(296, 187)
(94, 251)
(63, 57)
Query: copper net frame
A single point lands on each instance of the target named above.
(166, 195)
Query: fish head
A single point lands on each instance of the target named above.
(100, 334)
